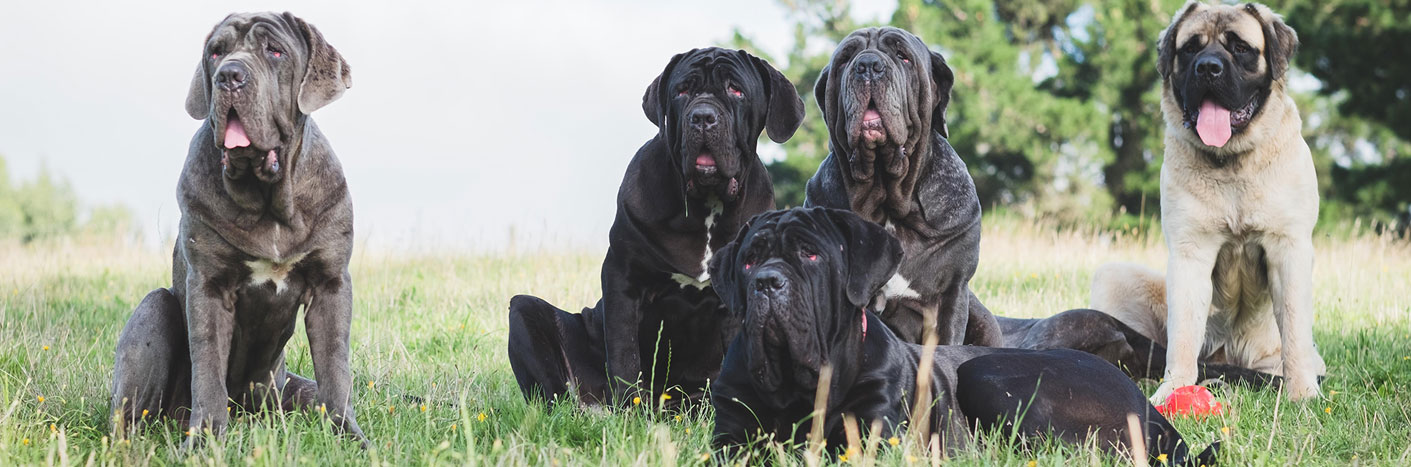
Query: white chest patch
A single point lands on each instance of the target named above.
(703, 281)
(276, 271)
(896, 287)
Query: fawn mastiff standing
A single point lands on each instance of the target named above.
(266, 228)
(1239, 198)
(884, 97)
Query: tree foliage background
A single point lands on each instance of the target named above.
(47, 208)
(1056, 106)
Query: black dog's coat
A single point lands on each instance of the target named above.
(685, 194)
(1107, 337)
(800, 280)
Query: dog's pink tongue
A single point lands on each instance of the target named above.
(1213, 124)
(235, 133)
(871, 115)
(705, 160)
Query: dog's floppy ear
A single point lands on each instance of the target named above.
(785, 106)
(326, 74)
(1166, 42)
(872, 253)
(652, 100)
(1280, 40)
(198, 97)
(725, 271)
(820, 90)
(944, 79)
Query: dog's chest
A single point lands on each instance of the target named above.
(702, 280)
(273, 271)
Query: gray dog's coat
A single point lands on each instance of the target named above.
(884, 97)
(266, 228)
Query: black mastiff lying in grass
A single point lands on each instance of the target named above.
(800, 280)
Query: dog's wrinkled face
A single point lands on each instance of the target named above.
(711, 105)
(882, 95)
(260, 73)
(800, 278)
(1221, 64)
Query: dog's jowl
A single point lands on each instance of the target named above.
(659, 325)
(266, 229)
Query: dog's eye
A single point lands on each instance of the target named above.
(748, 266)
(274, 51)
(1191, 47)
(216, 53)
(1242, 48)
(735, 92)
(681, 93)
(808, 255)
(902, 56)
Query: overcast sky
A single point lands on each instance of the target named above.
(465, 120)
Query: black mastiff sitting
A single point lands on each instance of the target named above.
(801, 280)
(685, 194)
(884, 99)
(266, 228)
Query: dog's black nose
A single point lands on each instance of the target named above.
(870, 67)
(231, 76)
(1209, 67)
(702, 118)
(769, 282)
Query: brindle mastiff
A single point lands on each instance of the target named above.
(1239, 198)
(266, 228)
(884, 97)
(659, 324)
(801, 280)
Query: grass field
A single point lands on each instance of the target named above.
(433, 384)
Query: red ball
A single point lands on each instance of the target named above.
(1190, 400)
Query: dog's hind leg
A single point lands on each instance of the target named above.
(152, 364)
(551, 352)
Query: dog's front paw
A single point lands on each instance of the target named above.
(1163, 391)
(1300, 390)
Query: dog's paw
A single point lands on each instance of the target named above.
(1162, 392)
(1301, 390)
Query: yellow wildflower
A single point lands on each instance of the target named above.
(391, 408)
(688, 431)
(1161, 458)
(480, 417)
(1225, 430)
(1328, 409)
(370, 383)
(26, 441)
(423, 407)
(453, 427)
(1033, 463)
(843, 458)
(46, 348)
(893, 441)
(705, 456)
(41, 398)
(636, 401)
(53, 428)
(144, 412)
(678, 418)
(665, 397)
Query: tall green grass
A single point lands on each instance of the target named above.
(434, 386)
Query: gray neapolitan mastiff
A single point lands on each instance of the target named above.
(884, 97)
(266, 228)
